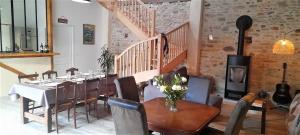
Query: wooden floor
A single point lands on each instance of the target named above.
(10, 122)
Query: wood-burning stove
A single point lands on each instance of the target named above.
(237, 72)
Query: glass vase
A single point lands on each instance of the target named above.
(171, 104)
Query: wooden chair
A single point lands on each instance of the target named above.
(107, 88)
(72, 70)
(91, 92)
(65, 99)
(29, 77)
(49, 73)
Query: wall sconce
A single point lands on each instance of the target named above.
(210, 35)
(284, 46)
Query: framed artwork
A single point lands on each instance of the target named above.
(88, 34)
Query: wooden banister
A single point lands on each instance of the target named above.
(11, 69)
(147, 55)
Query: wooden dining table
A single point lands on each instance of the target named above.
(44, 95)
(189, 118)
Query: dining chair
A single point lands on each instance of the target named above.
(236, 118)
(65, 99)
(107, 88)
(129, 117)
(50, 74)
(33, 77)
(72, 70)
(127, 88)
(198, 90)
(91, 92)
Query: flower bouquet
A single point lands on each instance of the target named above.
(175, 90)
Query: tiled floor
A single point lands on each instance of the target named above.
(10, 122)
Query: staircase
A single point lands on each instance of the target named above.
(147, 58)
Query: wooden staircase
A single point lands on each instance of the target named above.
(146, 59)
(134, 14)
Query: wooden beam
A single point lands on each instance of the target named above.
(11, 69)
(49, 25)
(25, 55)
(174, 63)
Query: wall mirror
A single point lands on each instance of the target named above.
(23, 25)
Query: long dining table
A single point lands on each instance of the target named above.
(42, 92)
(189, 119)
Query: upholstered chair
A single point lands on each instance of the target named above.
(236, 118)
(129, 117)
(127, 89)
(198, 90)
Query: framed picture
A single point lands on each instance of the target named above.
(88, 34)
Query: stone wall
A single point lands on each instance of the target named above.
(169, 16)
(271, 18)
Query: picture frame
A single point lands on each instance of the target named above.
(88, 34)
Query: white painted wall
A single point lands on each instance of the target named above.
(85, 56)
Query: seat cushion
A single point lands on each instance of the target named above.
(151, 92)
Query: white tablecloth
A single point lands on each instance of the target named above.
(41, 95)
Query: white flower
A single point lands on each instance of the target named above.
(183, 79)
(154, 83)
(163, 88)
(176, 87)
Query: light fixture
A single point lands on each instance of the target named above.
(284, 46)
(82, 1)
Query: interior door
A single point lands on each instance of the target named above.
(63, 37)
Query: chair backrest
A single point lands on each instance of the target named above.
(30, 76)
(198, 90)
(238, 115)
(127, 89)
(72, 70)
(129, 117)
(107, 84)
(49, 73)
(91, 88)
(65, 91)
(293, 119)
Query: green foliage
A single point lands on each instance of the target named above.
(106, 60)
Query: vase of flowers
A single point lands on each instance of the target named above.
(174, 90)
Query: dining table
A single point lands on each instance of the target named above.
(189, 118)
(42, 92)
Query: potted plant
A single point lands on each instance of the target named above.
(175, 90)
(106, 60)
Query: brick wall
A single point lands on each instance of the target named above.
(270, 19)
(169, 16)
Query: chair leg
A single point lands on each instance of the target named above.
(56, 122)
(68, 114)
(96, 110)
(86, 113)
(89, 109)
(74, 116)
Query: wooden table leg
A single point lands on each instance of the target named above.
(24, 102)
(263, 118)
(48, 118)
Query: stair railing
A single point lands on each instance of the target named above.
(149, 55)
(139, 14)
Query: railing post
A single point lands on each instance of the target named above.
(116, 65)
(160, 54)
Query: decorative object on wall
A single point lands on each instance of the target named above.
(82, 1)
(284, 46)
(62, 20)
(88, 34)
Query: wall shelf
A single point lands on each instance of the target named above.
(26, 55)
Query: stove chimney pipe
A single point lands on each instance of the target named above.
(242, 23)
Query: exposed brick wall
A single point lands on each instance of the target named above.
(169, 16)
(270, 19)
